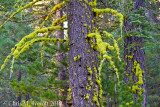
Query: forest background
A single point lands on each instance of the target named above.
(40, 75)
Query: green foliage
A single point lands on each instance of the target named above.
(38, 82)
(9, 37)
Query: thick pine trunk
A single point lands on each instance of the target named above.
(132, 47)
(61, 57)
(79, 14)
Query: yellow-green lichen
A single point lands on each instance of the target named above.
(85, 1)
(85, 25)
(127, 104)
(107, 10)
(136, 88)
(87, 96)
(56, 7)
(75, 58)
(88, 50)
(69, 94)
(23, 46)
(93, 4)
(89, 70)
(79, 57)
(19, 10)
(129, 56)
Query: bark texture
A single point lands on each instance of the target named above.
(79, 14)
(132, 47)
(61, 57)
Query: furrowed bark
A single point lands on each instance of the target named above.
(132, 47)
(80, 13)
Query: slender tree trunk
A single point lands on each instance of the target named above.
(133, 52)
(27, 97)
(81, 55)
(61, 57)
(115, 92)
(19, 79)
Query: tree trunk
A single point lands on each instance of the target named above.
(133, 52)
(139, 56)
(61, 57)
(81, 56)
(19, 79)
